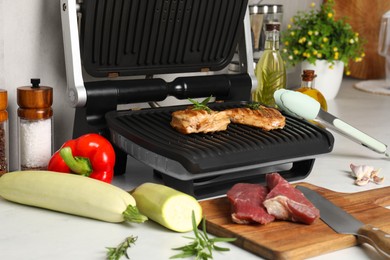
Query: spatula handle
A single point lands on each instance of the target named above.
(379, 239)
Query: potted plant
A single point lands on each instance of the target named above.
(315, 38)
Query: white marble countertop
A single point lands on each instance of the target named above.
(32, 233)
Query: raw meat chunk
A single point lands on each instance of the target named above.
(247, 203)
(287, 203)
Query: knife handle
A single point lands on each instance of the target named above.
(377, 238)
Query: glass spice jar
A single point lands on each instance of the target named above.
(35, 126)
(4, 135)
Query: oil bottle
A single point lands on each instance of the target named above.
(270, 70)
(308, 88)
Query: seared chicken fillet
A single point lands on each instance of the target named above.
(264, 117)
(199, 121)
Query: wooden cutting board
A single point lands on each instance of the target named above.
(287, 240)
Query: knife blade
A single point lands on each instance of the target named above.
(344, 223)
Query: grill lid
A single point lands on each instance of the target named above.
(142, 37)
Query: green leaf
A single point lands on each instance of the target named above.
(202, 246)
(201, 105)
(115, 253)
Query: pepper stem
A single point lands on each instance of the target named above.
(132, 214)
(79, 165)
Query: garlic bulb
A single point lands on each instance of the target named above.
(364, 174)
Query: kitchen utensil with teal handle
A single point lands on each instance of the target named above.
(302, 106)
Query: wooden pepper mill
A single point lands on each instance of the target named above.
(35, 125)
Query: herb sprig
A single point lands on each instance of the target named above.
(115, 253)
(201, 105)
(254, 105)
(202, 246)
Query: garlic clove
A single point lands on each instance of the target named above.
(364, 174)
(362, 181)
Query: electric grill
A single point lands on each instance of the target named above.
(117, 52)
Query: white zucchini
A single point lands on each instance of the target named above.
(70, 193)
(168, 207)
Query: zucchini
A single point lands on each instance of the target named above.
(168, 207)
(70, 193)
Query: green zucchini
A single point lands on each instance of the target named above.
(168, 207)
(70, 193)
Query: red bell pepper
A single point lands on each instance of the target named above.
(90, 155)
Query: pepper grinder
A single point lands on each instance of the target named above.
(35, 126)
(4, 135)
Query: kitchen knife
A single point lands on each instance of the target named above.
(344, 223)
(300, 105)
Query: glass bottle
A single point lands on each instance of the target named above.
(4, 146)
(308, 88)
(270, 70)
(35, 126)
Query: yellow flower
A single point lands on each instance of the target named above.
(335, 49)
(286, 43)
(325, 39)
(319, 55)
(302, 40)
(296, 52)
(358, 59)
(351, 41)
(315, 52)
(336, 55)
(331, 67)
(330, 15)
(292, 33)
(310, 32)
(312, 5)
(290, 57)
(289, 26)
(348, 72)
(316, 33)
(363, 55)
(309, 43)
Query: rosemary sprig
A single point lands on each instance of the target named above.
(202, 246)
(201, 105)
(254, 106)
(115, 253)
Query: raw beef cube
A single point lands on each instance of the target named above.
(247, 203)
(287, 203)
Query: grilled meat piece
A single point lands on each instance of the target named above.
(264, 117)
(199, 121)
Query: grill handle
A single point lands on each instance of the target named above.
(233, 87)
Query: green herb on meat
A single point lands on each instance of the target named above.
(254, 106)
(202, 246)
(201, 105)
(115, 253)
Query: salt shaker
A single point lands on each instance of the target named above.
(4, 135)
(35, 126)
